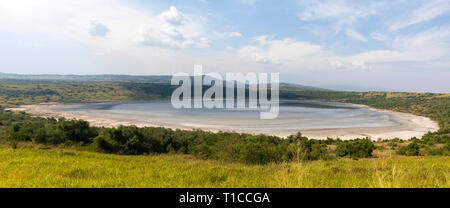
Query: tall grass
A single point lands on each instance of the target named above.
(34, 167)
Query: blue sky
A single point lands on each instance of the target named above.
(352, 45)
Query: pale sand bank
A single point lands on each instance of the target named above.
(409, 125)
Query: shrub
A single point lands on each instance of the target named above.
(76, 130)
(122, 140)
(412, 149)
(256, 153)
(311, 150)
(17, 133)
(445, 150)
(358, 148)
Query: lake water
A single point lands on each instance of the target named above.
(294, 116)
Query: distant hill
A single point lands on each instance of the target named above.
(39, 78)
(298, 87)
(89, 78)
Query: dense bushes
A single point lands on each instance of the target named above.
(260, 149)
(355, 149)
(439, 137)
(412, 149)
(76, 131)
(445, 150)
(432, 143)
(308, 149)
(228, 146)
(131, 140)
(53, 132)
(134, 141)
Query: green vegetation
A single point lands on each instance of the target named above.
(13, 94)
(131, 140)
(176, 158)
(434, 106)
(37, 166)
(412, 149)
(357, 148)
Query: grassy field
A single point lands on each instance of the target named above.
(31, 166)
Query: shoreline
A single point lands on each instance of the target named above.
(410, 125)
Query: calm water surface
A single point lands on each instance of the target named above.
(294, 116)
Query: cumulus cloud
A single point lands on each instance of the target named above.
(96, 28)
(147, 41)
(173, 17)
(173, 29)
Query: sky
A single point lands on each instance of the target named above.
(393, 45)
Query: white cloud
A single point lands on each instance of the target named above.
(247, 2)
(97, 28)
(283, 51)
(379, 37)
(123, 25)
(235, 34)
(339, 10)
(348, 65)
(356, 35)
(425, 46)
(129, 28)
(204, 42)
(431, 45)
(149, 41)
(343, 15)
(227, 35)
(313, 10)
(173, 17)
(174, 29)
(427, 11)
(359, 64)
(336, 64)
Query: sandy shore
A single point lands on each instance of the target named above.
(409, 125)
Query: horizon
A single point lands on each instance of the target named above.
(400, 46)
(338, 88)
